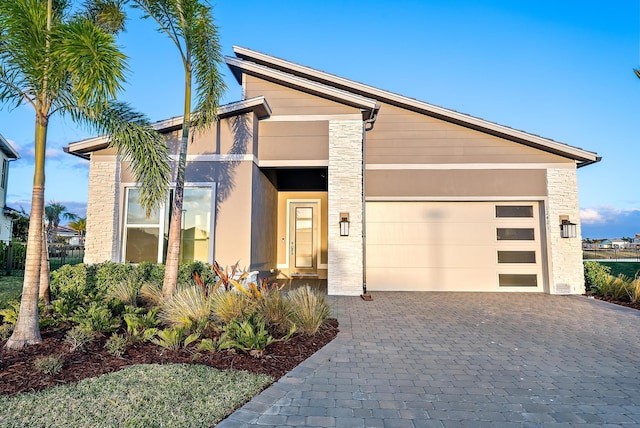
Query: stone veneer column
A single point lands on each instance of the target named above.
(565, 269)
(103, 211)
(344, 275)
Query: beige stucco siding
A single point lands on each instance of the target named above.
(402, 136)
(455, 183)
(264, 209)
(294, 140)
(233, 213)
(287, 101)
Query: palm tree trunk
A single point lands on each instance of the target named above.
(175, 227)
(44, 271)
(27, 331)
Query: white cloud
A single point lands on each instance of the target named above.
(604, 214)
(591, 216)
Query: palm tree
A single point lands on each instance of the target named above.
(52, 213)
(60, 62)
(80, 226)
(189, 25)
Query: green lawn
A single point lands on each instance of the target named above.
(626, 268)
(175, 395)
(10, 289)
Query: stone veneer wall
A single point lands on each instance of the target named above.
(102, 225)
(565, 266)
(344, 276)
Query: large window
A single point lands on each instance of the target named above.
(146, 237)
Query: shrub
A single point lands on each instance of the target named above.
(187, 308)
(78, 337)
(49, 365)
(151, 294)
(5, 331)
(633, 290)
(108, 274)
(227, 306)
(174, 338)
(596, 276)
(96, 318)
(310, 309)
(249, 335)
(116, 345)
(10, 314)
(125, 291)
(142, 326)
(187, 271)
(277, 311)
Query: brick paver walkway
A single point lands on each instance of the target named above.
(463, 359)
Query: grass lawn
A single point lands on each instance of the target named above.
(626, 268)
(10, 289)
(176, 395)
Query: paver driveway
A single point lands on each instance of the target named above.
(463, 359)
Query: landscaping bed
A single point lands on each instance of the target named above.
(17, 373)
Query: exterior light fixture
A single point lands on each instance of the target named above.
(344, 224)
(567, 229)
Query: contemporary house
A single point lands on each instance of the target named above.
(314, 175)
(7, 154)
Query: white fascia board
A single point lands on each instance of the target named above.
(380, 94)
(8, 149)
(259, 104)
(305, 84)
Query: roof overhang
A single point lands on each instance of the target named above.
(259, 59)
(258, 105)
(369, 106)
(8, 149)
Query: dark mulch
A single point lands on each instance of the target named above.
(18, 374)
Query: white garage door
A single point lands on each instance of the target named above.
(454, 246)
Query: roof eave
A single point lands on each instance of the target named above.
(258, 105)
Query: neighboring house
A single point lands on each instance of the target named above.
(618, 243)
(7, 154)
(604, 243)
(69, 235)
(453, 202)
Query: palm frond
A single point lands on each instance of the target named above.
(133, 137)
(637, 71)
(166, 13)
(205, 45)
(90, 56)
(106, 14)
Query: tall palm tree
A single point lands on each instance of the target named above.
(63, 63)
(189, 25)
(52, 213)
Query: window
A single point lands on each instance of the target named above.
(515, 234)
(146, 237)
(517, 280)
(5, 173)
(514, 211)
(516, 256)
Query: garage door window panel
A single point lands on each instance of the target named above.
(514, 211)
(516, 256)
(515, 234)
(517, 280)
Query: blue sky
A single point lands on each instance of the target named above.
(562, 70)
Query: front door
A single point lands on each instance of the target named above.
(303, 238)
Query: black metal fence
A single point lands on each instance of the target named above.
(13, 254)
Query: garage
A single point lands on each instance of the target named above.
(455, 246)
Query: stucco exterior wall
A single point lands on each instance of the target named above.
(344, 276)
(565, 254)
(264, 207)
(103, 211)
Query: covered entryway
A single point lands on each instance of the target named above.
(455, 246)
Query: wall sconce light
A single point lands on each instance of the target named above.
(344, 224)
(567, 229)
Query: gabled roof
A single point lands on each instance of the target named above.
(258, 105)
(8, 149)
(254, 62)
(369, 106)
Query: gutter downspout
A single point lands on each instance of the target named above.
(366, 126)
